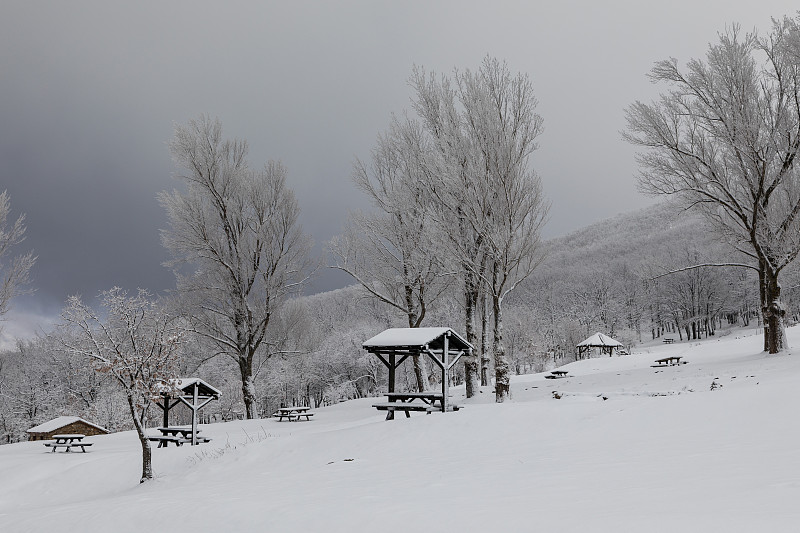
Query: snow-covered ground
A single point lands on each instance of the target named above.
(662, 452)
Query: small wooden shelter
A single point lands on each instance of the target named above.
(444, 346)
(606, 344)
(64, 424)
(194, 393)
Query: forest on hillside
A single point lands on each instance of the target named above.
(596, 279)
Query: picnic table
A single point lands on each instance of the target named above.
(177, 435)
(293, 413)
(668, 340)
(556, 374)
(668, 361)
(68, 441)
(412, 401)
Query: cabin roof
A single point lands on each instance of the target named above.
(60, 422)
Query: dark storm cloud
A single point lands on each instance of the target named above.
(90, 97)
(90, 93)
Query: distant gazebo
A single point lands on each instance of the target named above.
(444, 346)
(606, 344)
(194, 393)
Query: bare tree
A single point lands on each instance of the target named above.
(452, 167)
(725, 140)
(238, 232)
(392, 252)
(135, 340)
(496, 198)
(15, 275)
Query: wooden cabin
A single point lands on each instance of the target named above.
(64, 424)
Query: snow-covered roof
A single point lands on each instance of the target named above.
(60, 422)
(598, 339)
(414, 337)
(204, 388)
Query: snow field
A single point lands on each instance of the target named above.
(698, 460)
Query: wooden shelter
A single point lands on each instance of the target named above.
(606, 344)
(443, 345)
(64, 424)
(194, 393)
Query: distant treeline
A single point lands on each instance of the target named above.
(600, 278)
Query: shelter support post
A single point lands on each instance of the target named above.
(445, 364)
(445, 373)
(166, 406)
(391, 364)
(194, 416)
(198, 402)
(392, 367)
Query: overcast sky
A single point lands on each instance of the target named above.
(90, 93)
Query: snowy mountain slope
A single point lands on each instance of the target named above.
(696, 459)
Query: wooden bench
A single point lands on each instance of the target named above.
(425, 397)
(402, 406)
(426, 402)
(292, 416)
(407, 407)
(668, 340)
(164, 440)
(68, 441)
(68, 446)
(668, 361)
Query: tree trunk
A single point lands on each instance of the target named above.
(774, 315)
(147, 458)
(502, 380)
(501, 371)
(762, 294)
(420, 368)
(248, 387)
(471, 361)
(485, 359)
(420, 372)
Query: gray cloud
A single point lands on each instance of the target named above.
(90, 93)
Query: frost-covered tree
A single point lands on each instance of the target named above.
(491, 200)
(30, 390)
(725, 140)
(237, 245)
(135, 340)
(392, 251)
(452, 166)
(15, 274)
